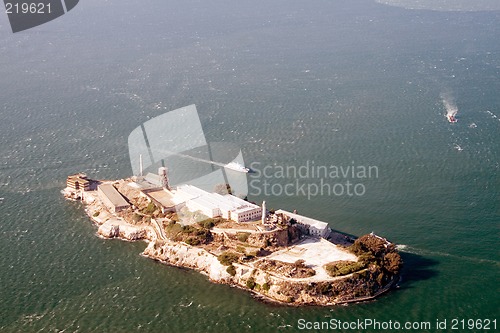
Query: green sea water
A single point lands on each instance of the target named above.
(354, 83)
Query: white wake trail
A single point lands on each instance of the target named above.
(449, 104)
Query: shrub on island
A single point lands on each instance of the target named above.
(243, 236)
(227, 258)
(250, 283)
(231, 270)
(207, 224)
(343, 267)
(374, 250)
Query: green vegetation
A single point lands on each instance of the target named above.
(187, 229)
(136, 218)
(343, 267)
(193, 241)
(207, 224)
(174, 231)
(250, 283)
(227, 258)
(150, 208)
(369, 244)
(266, 286)
(231, 270)
(366, 258)
(373, 250)
(243, 236)
(189, 234)
(96, 214)
(392, 262)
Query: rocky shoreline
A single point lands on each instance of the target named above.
(280, 290)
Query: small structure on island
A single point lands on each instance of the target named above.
(163, 174)
(163, 199)
(264, 212)
(110, 196)
(308, 225)
(78, 182)
(156, 180)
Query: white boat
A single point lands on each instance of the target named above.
(451, 117)
(236, 167)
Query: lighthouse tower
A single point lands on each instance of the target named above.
(264, 212)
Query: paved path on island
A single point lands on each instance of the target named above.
(316, 252)
(158, 229)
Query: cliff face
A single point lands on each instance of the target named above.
(277, 238)
(183, 255)
(354, 287)
(119, 229)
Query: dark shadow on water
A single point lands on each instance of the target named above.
(416, 268)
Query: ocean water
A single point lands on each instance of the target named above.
(355, 83)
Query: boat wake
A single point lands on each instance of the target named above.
(450, 106)
(423, 252)
(493, 116)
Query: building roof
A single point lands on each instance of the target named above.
(143, 185)
(208, 200)
(153, 179)
(187, 192)
(164, 198)
(113, 195)
(304, 220)
(240, 202)
(82, 178)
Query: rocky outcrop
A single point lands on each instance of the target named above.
(183, 255)
(118, 229)
(350, 288)
(277, 238)
(109, 230)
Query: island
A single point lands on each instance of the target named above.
(279, 256)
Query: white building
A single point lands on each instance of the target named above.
(215, 205)
(242, 210)
(187, 192)
(314, 227)
(206, 205)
